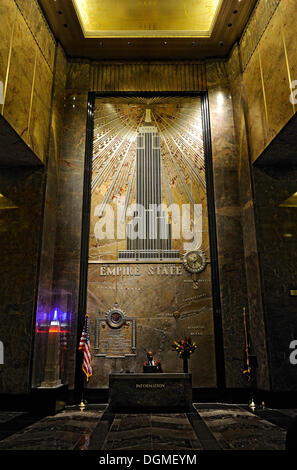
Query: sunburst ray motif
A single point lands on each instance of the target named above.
(116, 123)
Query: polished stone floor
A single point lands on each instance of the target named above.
(206, 427)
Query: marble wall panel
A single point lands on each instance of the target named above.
(256, 324)
(152, 301)
(19, 241)
(277, 231)
(228, 219)
(71, 186)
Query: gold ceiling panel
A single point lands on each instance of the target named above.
(147, 18)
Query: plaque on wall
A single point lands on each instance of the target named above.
(115, 335)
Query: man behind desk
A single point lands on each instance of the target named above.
(151, 365)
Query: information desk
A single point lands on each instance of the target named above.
(144, 392)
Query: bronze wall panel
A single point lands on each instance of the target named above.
(40, 111)
(254, 30)
(288, 25)
(276, 85)
(256, 106)
(39, 28)
(20, 79)
(268, 60)
(26, 70)
(148, 77)
(8, 13)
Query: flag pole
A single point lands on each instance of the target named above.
(86, 369)
(82, 405)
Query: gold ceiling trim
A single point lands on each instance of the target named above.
(290, 202)
(213, 7)
(6, 203)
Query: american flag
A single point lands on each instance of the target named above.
(84, 345)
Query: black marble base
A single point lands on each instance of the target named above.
(150, 392)
(49, 401)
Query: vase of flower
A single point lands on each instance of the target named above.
(186, 365)
(184, 349)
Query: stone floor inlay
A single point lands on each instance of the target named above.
(207, 427)
(152, 432)
(239, 429)
(64, 431)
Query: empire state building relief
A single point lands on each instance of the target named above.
(149, 250)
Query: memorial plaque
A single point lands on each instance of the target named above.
(115, 336)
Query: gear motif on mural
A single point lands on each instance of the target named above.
(194, 261)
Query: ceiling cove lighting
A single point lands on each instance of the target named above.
(147, 19)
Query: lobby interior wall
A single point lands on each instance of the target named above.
(84, 77)
(63, 210)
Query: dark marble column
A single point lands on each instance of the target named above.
(44, 301)
(71, 187)
(20, 234)
(247, 212)
(228, 220)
